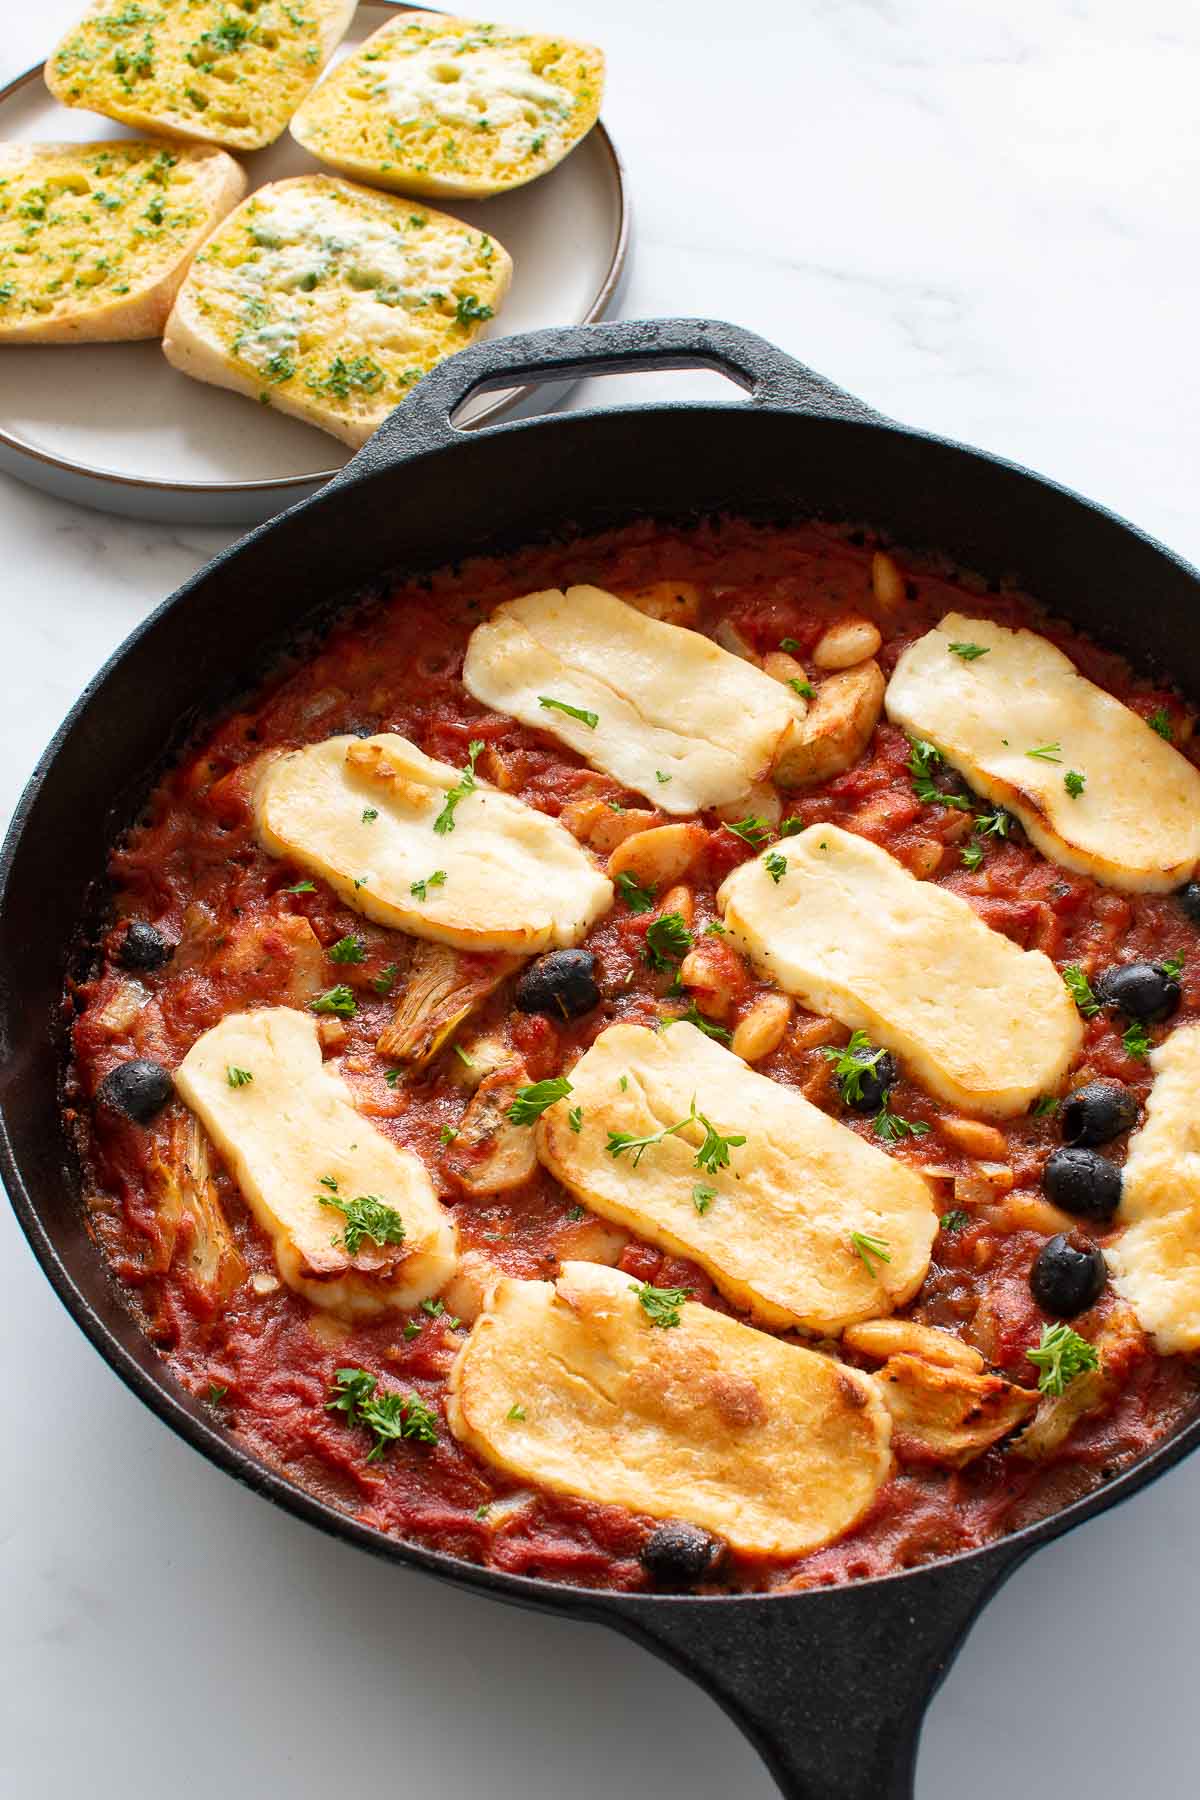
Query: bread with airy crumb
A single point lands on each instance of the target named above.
(198, 69)
(96, 238)
(329, 301)
(440, 106)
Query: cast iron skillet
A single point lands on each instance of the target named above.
(829, 1684)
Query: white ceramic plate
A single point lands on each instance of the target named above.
(114, 426)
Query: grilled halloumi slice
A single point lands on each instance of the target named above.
(363, 813)
(845, 927)
(775, 1228)
(777, 1448)
(665, 710)
(1156, 1259)
(288, 1131)
(1017, 720)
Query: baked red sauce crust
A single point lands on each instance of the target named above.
(193, 868)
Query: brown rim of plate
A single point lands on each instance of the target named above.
(496, 409)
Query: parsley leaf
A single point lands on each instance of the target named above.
(668, 941)
(388, 1416)
(661, 1305)
(891, 1127)
(1046, 753)
(703, 1197)
(871, 1250)
(590, 719)
(637, 898)
(968, 652)
(712, 1155)
(1080, 990)
(955, 1220)
(419, 889)
(366, 1216)
(776, 866)
(370, 814)
(1172, 966)
(337, 1000)
(466, 785)
(529, 1103)
(1043, 1106)
(1160, 721)
(923, 759)
(790, 826)
(791, 645)
(693, 1016)
(470, 311)
(385, 981)
(661, 778)
(575, 1118)
(1074, 783)
(971, 855)
(752, 830)
(805, 689)
(1061, 1356)
(516, 1411)
(849, 1066)
(347, 950)
(1137, 1044)
(302, 887)
(993, 824)
(237, 1078)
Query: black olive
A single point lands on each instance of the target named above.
(677, 1556)
(1083, 1182)
(143, 947)
(1097, 1112)
(1189, 900)
(138, 1089)
(562, 985)
(1069, 1275)
(1143, 990)
(876, 1082)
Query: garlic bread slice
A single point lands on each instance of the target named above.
(777, 1218)
(1096, 789)
(575, 1388)
(850, 932)
(201, 69)
(427, 849)
(287, 1129)
(664, 709)
(96, 238)
(445, 106)
(329, 302)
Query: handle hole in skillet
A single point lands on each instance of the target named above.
(629, 387)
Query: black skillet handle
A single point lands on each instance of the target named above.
(423, 421)
(830, 1685)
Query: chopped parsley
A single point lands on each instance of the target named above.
(791, 645)
(637, 898)
(388, 1416)
(1160, 721)
(971, 855)
(217, 1392)
(1046, 753)
(968, 652)
(1061, 1356)
(805, 689)
(668, 941)
(661, 778)
(776, 866)
(891, 1127)
(871, 1250)
(366, 1216)
(924, 758)
(1172, 966)
(470, 311)
(1080, 990)
(370, 814)
(466, 785)
(529, 1103)
(385, 981)
(411, 1330)
(447, 1135)
(955, 1220)
(752, 830)
(515, 1412)
(993, 824)
(347, 950)
(703, 1197)
(302, 887)
(419, 889)
(712, 1155)
(1043, 1106)
(1074, 783)
(342, 376)
(661, 1305)
(590, 719)
(790, 826)
(849, 1065)
(237, 1077)
(693, 1016)
(1136, 1043)
(575, 1118)
(337, 1000)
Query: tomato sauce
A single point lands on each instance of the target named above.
(192, 867)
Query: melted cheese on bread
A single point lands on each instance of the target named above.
(776, 1448)
(291, 1131)
(361, 813)
(1156, 1260)
(775, 1230)
(666, 701)
(846, 928)
(1135, 824)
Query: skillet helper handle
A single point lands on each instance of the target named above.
(830, 1685)
(615, 347)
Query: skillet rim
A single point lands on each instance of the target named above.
(184, 1414)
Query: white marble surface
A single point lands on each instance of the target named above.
(981, 218)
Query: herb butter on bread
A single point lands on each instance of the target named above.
(330, 301)
(96, 238)
(224, 73)
(444, 106)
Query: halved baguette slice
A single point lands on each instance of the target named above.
(198, 69)
(441, 106)
(329, 301)
(96, 238)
